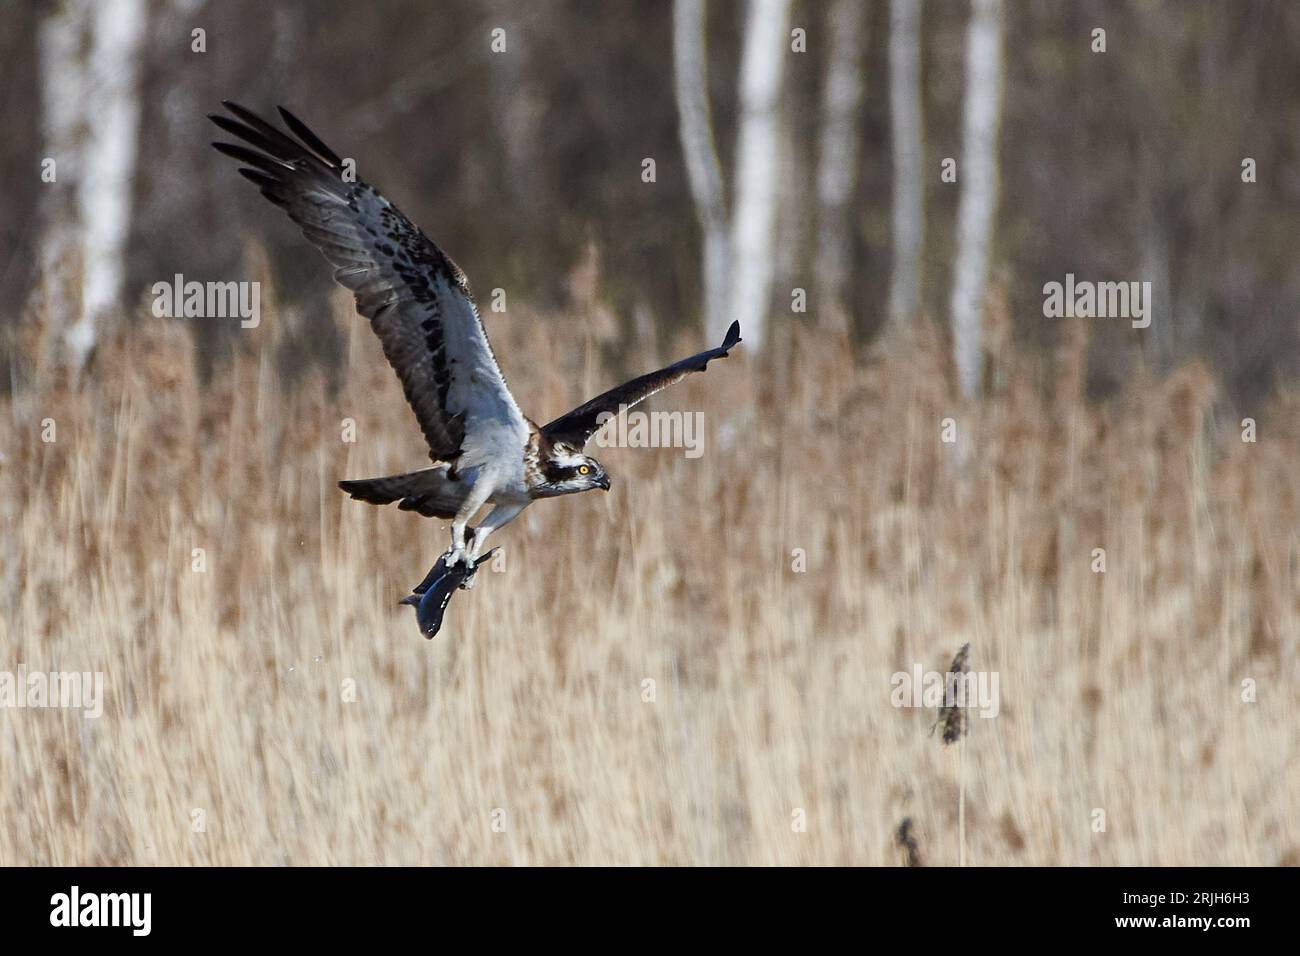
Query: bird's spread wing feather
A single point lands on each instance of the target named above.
(417, 300)
(576, 427)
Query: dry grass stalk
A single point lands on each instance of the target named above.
(955, 723)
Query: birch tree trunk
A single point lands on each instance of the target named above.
(62, 66)
(838, 151)
(694, 127)
(89, 54)
(909, 188)
(111, 101)
(761, 69)
(978, 174)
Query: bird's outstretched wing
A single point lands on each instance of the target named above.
(576, 427)
(417, 299)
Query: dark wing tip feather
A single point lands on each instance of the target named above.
(729, 341)
(261, 179)
(313, 141)
(731, 338)
(250, 135)
(274, 141)
(250, 157)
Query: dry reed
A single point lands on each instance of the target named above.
(650, 679)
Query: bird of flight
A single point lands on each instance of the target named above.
(484, 449)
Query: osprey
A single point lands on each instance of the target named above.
(484, 449)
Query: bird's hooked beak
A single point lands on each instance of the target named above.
(603, 482)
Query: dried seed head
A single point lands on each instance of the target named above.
(952, 716)
(905, 837)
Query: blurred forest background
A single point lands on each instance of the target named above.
(1122, 165)
(696, 667)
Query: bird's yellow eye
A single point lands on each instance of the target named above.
(583, 469)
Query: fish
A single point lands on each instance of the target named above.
(432, 595)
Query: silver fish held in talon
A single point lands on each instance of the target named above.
(432, 595)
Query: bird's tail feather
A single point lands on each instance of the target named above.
(430, 491)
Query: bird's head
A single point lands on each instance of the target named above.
(567, 472)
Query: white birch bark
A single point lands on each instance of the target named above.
(112, 104)
(837, 163)
(753, 219)
(89, 55)
(909, 189)
(978, 175)
(62, 66)
(694, 127)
